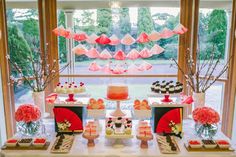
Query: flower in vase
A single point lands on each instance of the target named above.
(27, 113)
(206, 115)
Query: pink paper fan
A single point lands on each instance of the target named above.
(79, 50)
(114, 40)
(94, 67)
(119, 55)
(145, 53)
(91, 39)
(58, 31)
(107, 68)
(127, 40)
(166, 33)
(118, 69)
(105, 54)
(144, 66)
(92, 53)
(180, 29)
(80, 36)
(156, 49)
(154, 36)
(132, 69)
(103, 39)
(143, 38)
(133, 54)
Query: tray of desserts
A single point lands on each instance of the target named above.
(62, 144)
(168, 144)
(208, 146)
(26, 144)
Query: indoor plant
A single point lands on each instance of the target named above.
(36, 73)
(206, 120)
(201, 74)
(27, 117)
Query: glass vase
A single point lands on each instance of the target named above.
(28, 129)
(206, 131)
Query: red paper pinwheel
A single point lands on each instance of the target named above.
(92, 53)
(114, 40)
(156, 49)
(105, 54)
(154, 36)
(94, 67)
(127, 40)
(180, 29)
(143, 38)
(118, 69)
(133, 54)
(166, 33)
(50, 99)
(80, 36)
(144, 66)
(103, 40)
(173, 115)
(91, 39)
(187, 100)
(119, 55)
(145, 53)
(132, 69)
(79, 50)
(64, 114)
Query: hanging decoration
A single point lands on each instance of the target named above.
(91, 39)
(119, 69)
(144, 66)
(145, 53)
(59, 30)
(156, 49)
(180, 29)
(92, 53)
(94, 67)
(133, 54)
(79, 50)
(154, 36)
(80, 36)
(105, 54)
(166, 33)
(103, 40)
(143, 38)
(127, 40)
(107, 68)
(132, 69)
(114, 40)
(119, 55)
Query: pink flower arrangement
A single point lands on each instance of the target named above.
(27, 113)
(206, 115)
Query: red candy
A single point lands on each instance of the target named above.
(39, 140)
(12, 141)
(194, 142)
(222, 142)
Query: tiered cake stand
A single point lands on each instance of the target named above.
(118, 112)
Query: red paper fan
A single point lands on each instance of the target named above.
(50, 99)
(127, 40)
(154, 36)
(119, 55)
(79, 50)
(145, 53)
(114, 40)
(144, 66)
(166, 33)
(91, 39)
(103, 39)
(172, 115)
(118, 69)
(180, 29)
(92, 53)
(143, 38)
(64, 114)
(133, 54)
(105, 54)
(107, 68)
(80, 36)
(94, 67)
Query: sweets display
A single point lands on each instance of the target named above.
(118, 126)
(165, 87)
(96, 104)
(144, 130)
(117, 91)
(142, 109)
(91, 129)
(167, 145)
(11, 143)
(25, 142)
(62, 144)
(70, 88)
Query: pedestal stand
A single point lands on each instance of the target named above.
(117, 112)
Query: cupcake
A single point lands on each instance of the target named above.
(63, 90)
(128, 130)
(66, 85)
(76, 89)
(177, 88)
(118, 122)
(172, 89)
(153, 86)
(109, 129)
(157, 88)
(163, 90)
(180, 87)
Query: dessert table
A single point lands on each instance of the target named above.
(103, 147)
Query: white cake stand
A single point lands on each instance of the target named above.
(118, 112)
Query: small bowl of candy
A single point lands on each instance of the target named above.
(223, 144)
(11, 143)
(39, 142)
(209, 144)
(25, 142)
(195, 143)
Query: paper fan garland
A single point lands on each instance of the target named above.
(156, 49)
(103, 40)
(154, 36)
(79, 50)
(143, 38)
(166, 33)
(119, 55)
(107, 68)
(114, 40)
(94, 67)
(105, 54)
(180, 29)
(127, 40)
(133, 54)
(80, 36)
(118, 69)
(91, 39)
(92, 53)
(68, 33)
(132, 69)
(145, 53)
(59, 30)
(144, 66)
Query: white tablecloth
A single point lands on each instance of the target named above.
(103, 148)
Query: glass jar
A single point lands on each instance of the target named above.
(206, 131)
(28, 129)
